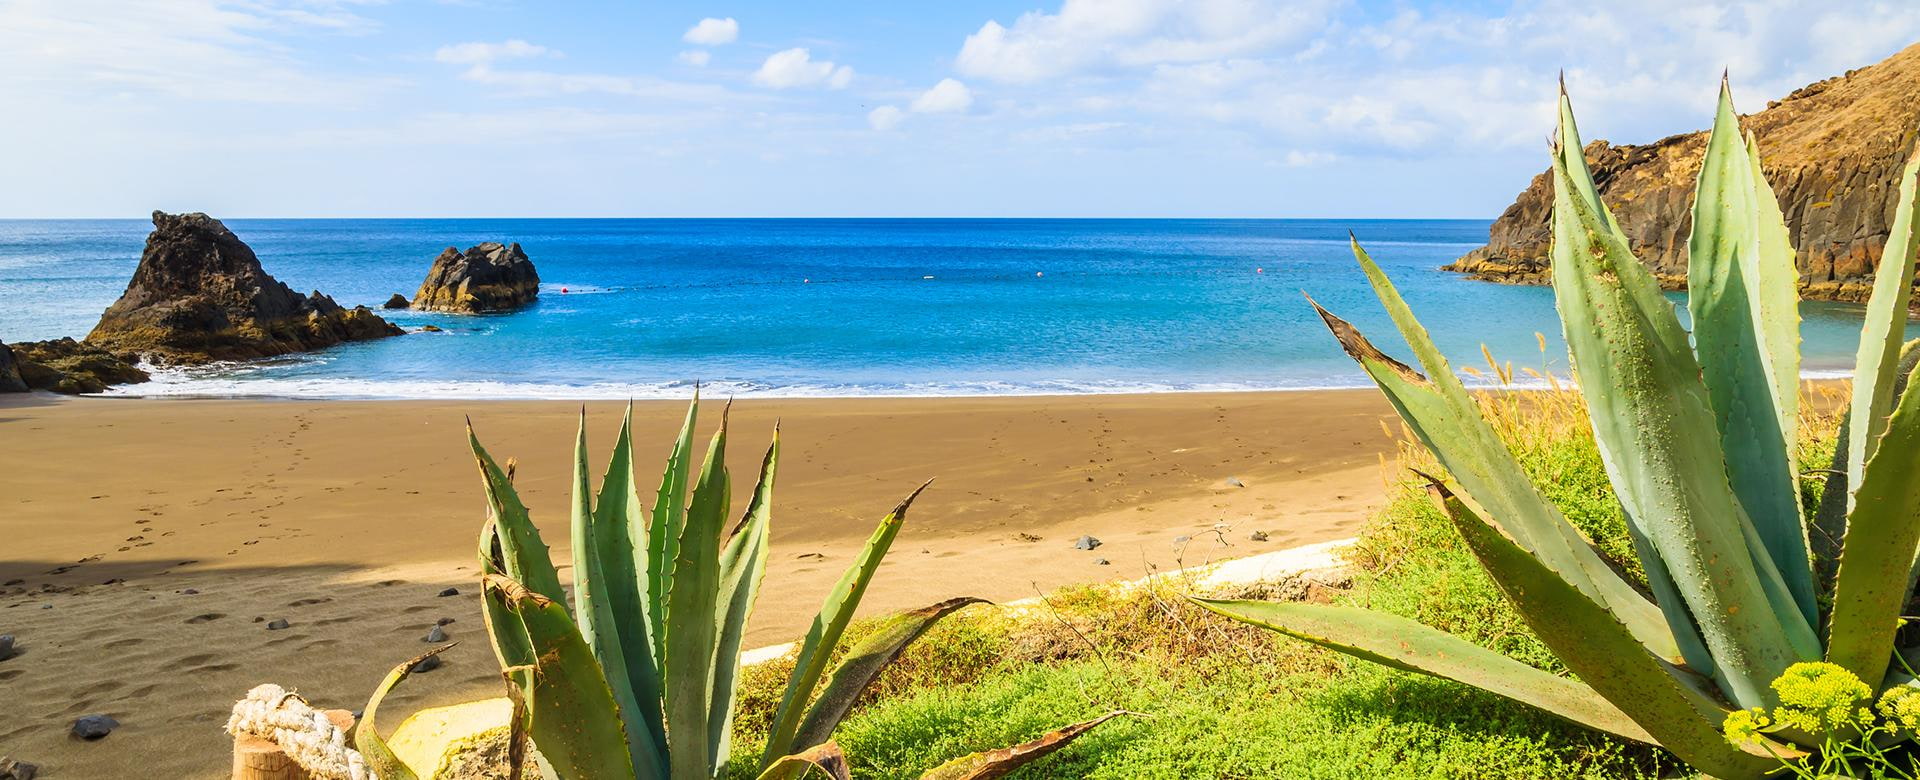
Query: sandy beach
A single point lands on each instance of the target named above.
(146, 544)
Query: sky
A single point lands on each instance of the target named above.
(1024, 108)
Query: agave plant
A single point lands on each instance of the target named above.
(1698, 438)
(638, 678)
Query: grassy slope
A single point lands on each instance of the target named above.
(1224, 700)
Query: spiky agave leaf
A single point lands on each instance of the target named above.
(1882, 534)
(990, 764)
(367, 739)
(574, 719)
(743, 564)
(691, 623)
(828, 625)
(864, 662)
(663, 529)
(1882, 334)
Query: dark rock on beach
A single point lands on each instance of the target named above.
(1085, 543)
(6, 646)
(398, 301)
(488, 277)
(15, 769)
(276, 624)
(435, 635)
(10, 381)
(449, 592)
(200, 295)
(1832, 151)
(91, 727)
(73, 367)
(428, 664)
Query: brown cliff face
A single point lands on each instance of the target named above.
(200, 295)
(1832, 150)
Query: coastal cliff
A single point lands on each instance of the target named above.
(1832, 150)
(200, 295)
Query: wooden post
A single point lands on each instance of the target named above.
(255, 758)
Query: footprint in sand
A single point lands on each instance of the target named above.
(206, 618)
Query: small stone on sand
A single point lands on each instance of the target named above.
(1258, 536)
(276, 624)
(443, 621)
(428, 664)
(12, 769)
(91, 727)
(1085, 543)
(435, 634)
(189, 592)
(1235, 482)
(450, 592)
(1100, 562)
(6, 646)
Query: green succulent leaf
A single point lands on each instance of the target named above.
(522, 554)
(1886, 320)
(1882, 536)
(575, 721)
(743, 564)
(864, 662)
(1658, 440)
(828, 625)
(366, 738)
(692, 622)
(1407, 644)
(1668, 702)
(1742, 293)
(826, 759)
(1448, 421)
(663, 530)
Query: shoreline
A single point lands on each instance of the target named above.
(150, 541)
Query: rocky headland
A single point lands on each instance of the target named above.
(65, 366)
(1832, 150)
(489, 277)
(200, 295)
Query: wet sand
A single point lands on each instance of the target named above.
(144, 545)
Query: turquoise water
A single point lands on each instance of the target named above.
(839, 307)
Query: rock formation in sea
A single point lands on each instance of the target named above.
(398, 301)
(69, 366)
(200, 295)
(1832, 150)
(488, 277)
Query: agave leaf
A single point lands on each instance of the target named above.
(504, 630)
(523, 556)
(1741, 290)
(1657, 438)
(663, 530)
(367, 739)
(574, 719)
(824, 635)
(1449, 423)
(742, 566)
(606, 586)
(692, 623)
(999, 763)
(1667, 702)
(1407, 644)
(1882, 536)
(863, 663)
(1881, 335)
(825, 758)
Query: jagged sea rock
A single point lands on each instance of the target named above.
(200, 295)
(398, 301)
(1832, 150)
(10, 381)
(487, 277)
(73, 367)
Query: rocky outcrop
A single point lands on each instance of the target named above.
(200, 295)
(398, 301)
(72, 367)
(10, 381)
(486, 278)
(1832, 150)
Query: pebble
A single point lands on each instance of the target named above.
(435, 634)
(1085, 543)
(428, 664)
(1100, 562)
(276, 624)
(12, 769)
(443, 621)
(6, 646)
(1258, 536)
(189, 592)
(1235, 482)
(450, 592)
(91, 727)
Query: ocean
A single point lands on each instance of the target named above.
(644, 308)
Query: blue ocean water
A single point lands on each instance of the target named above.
(838, 307)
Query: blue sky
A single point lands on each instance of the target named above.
(1231, 108)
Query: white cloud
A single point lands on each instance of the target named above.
(695, 57)
(948, 96)
(1100, 34)
(796, 68)
(713, 32)
(478, 53)
(1304, 159)
(885, 118)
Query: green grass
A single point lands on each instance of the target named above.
(1218, 699)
